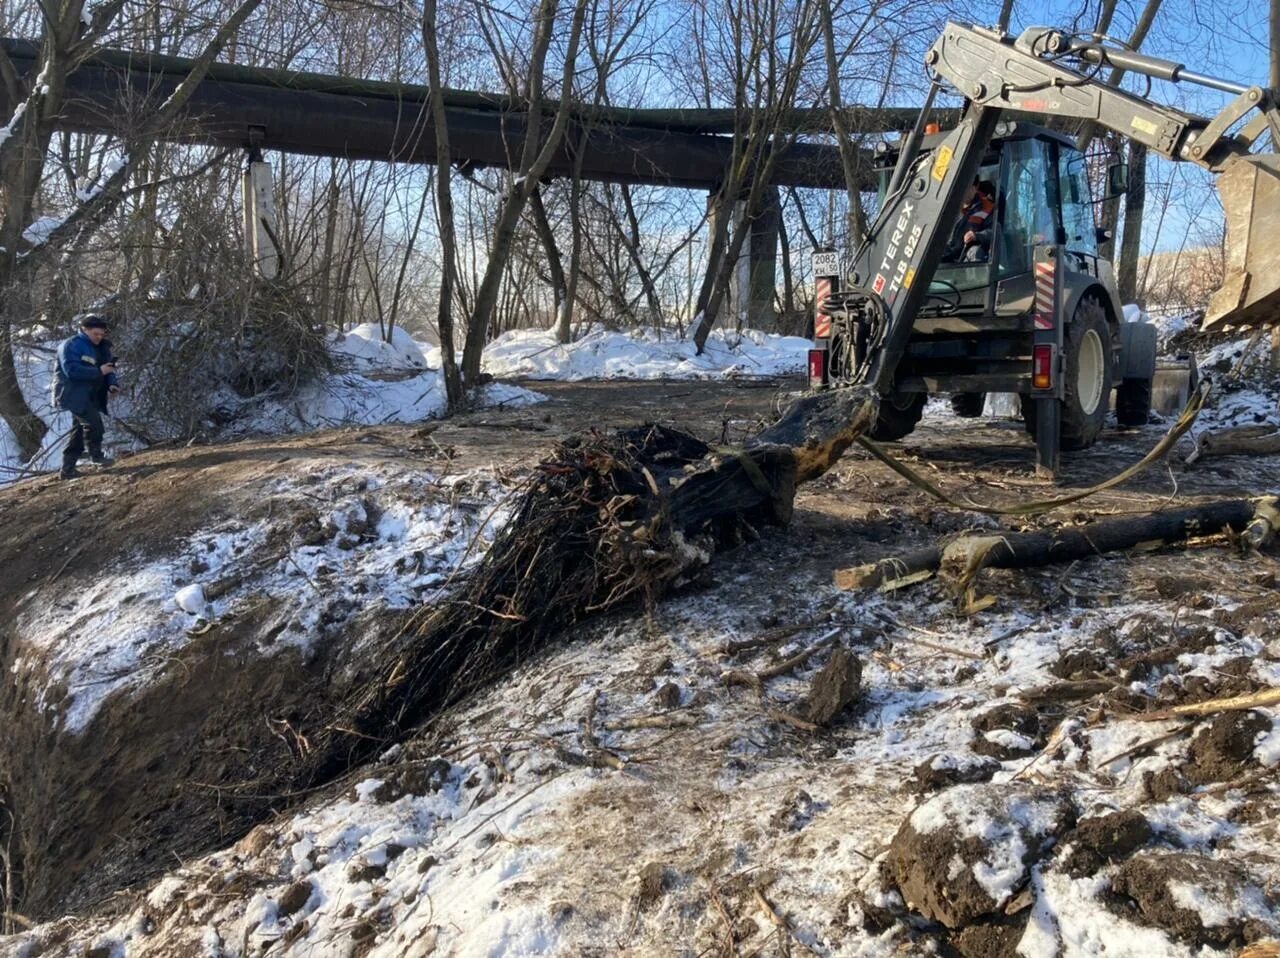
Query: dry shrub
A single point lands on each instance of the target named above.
(187, 360)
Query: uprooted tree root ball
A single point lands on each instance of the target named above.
(605, 520)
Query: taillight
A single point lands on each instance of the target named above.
(1042, 367)
(817, 367)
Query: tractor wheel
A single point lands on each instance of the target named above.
(1087, 389)
(898, 416)
(1086, 392)
(968, 405)
(1133, 402)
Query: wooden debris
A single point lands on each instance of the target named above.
(1261, 949)
(1144, 745)
(1266, 520)
(661, 720)
(968, 555)
(794, 721)
(1265, 699)
(771, 637)
(800, 658)
(1238, 441)
(1067, 691)
(756, 680)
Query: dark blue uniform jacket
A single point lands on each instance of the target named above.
(78, 383)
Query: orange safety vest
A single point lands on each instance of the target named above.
(979, 211)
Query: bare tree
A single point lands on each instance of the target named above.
(765, 77)
(444, 207)
(535, 158)
(67, 41)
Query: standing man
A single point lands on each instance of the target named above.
(85, 377)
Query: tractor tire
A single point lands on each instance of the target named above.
(968, 405)
(1086, 393)
(898, 416)
(1133, 402)
(1087, 389)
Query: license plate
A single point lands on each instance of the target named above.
(826, 264)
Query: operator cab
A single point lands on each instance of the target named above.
(1042, 196)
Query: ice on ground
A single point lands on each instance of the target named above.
(644, 353)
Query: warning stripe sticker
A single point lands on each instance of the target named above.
(821, 321)
(1044, 318)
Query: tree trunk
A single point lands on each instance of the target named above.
(564, 318)
(555, 265)
(28, 428)
(444, 209)
(1131, 245)
(632, 243)
(1028, 550)
(535, 159)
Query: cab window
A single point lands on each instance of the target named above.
(1077, 204)
(1028, 211)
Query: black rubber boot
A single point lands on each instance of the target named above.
(68, 471)
(99, 458)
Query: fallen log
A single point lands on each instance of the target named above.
(965, 556)
(1237, 441)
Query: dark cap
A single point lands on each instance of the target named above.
(93, 321)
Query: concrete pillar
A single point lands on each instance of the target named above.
(754, 278)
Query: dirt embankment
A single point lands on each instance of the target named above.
(136, 732)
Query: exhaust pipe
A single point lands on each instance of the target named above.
(1250, 291)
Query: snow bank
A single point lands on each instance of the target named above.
(644, 354)
(355, 399)
(365, 345)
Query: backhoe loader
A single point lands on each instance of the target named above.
(926, 306)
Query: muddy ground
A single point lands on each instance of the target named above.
(133, 790)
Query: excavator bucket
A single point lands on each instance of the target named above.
(1250, 292)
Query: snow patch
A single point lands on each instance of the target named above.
(1267, 745)
(644, 354)
(1001, 871)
